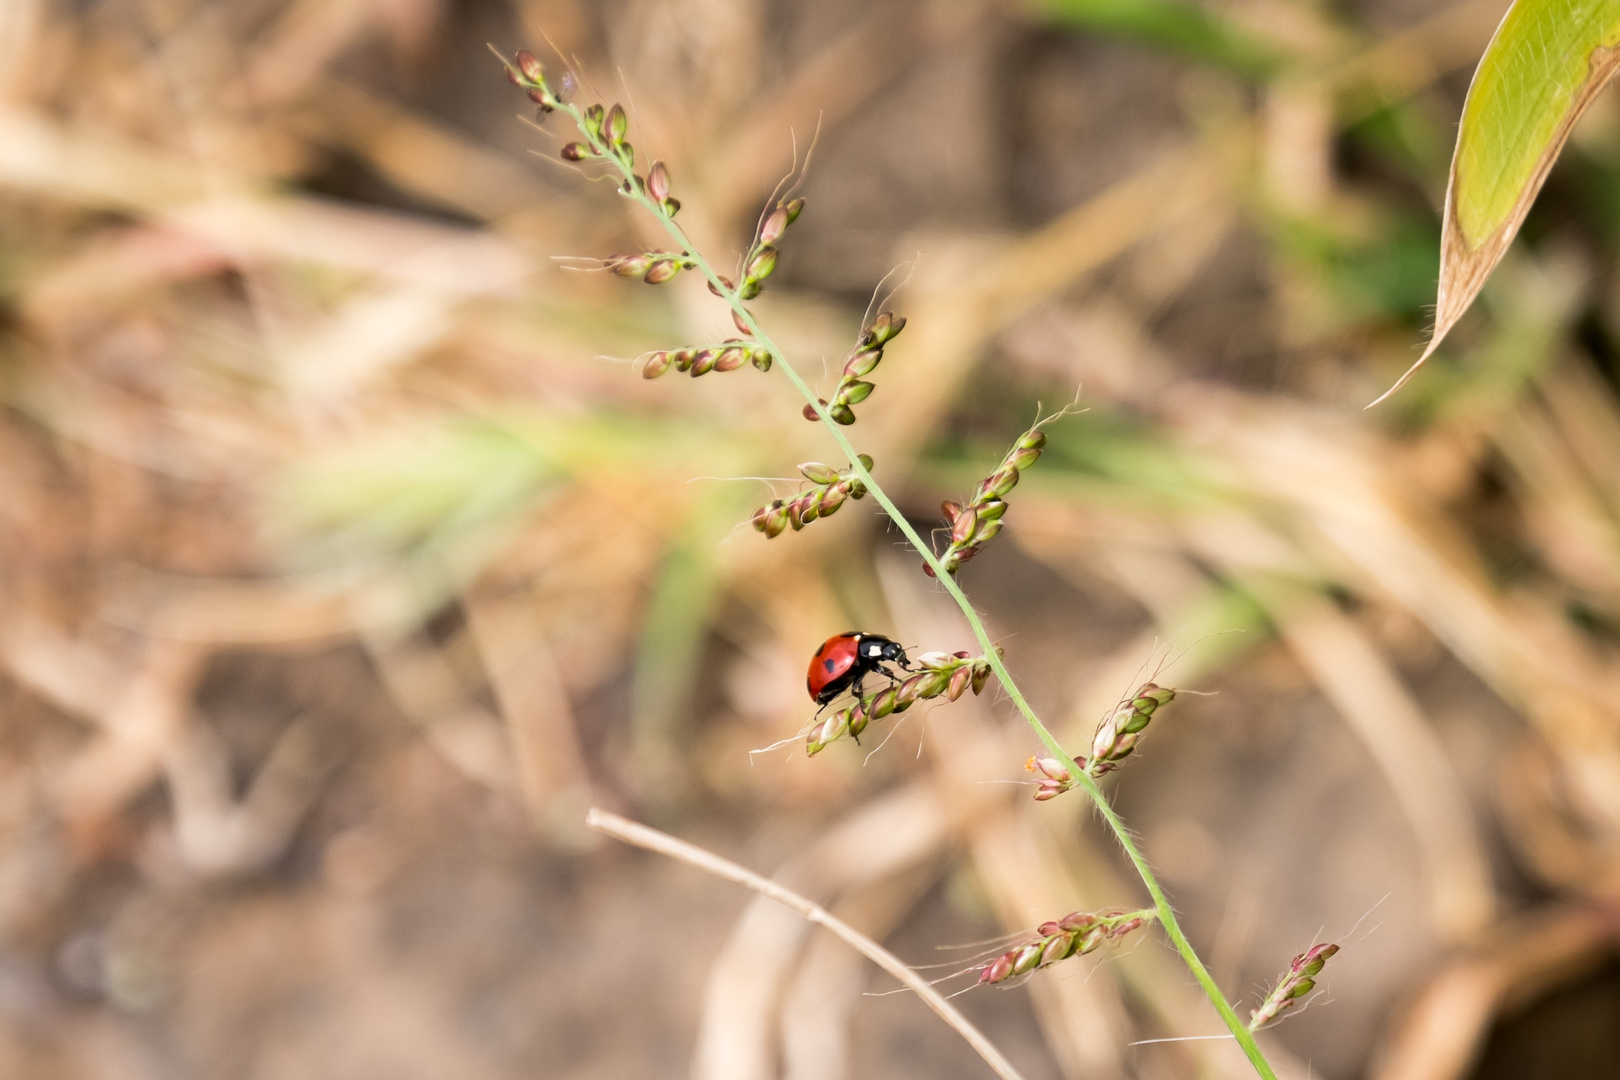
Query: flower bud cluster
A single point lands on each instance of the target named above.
(760, 262)
(974, 524)
(830, 489)
(1075, 934)
(1118, 735)
(729, 355)
(861, 361)
(653, 267)
(1056, 777)
(529, 74)
(948, 674)
(605, 132)
(1297, 981)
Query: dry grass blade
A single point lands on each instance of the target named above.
(641, 836)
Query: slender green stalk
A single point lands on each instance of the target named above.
(1161, 904)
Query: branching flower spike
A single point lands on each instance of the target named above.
(974, 524)
(861, 361)
(760, 263)
(1299, 980)
(1075, 934)
(1118, 735)
(729, 355)
(948, 674)
(653, 267)
(823, 500)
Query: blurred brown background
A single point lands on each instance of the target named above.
(344, 561)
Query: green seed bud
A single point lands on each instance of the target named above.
(855, 392)
(593, 120)
(683, 358)
(981, 672)
(842, 414)
(1022, 459)
(1032, 440)
(762, 359)
(762, 264)
(671, 205)
(865, 460)
(1002, 482)
(794, 209)
(817, 473)
(832, 498)
(886, 327)
(618, 125)
(749, 289)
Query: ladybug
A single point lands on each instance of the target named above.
(845, 659)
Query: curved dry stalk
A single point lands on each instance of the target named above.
(642, 836)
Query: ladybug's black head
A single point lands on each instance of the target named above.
(876, 649)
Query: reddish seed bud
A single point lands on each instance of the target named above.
(530, 67)
(981, 674)
(762, 264)
(629, 265)
(742, 327)
(577, 151)
(771, 231)
(951, 511)
(658, 182)
(731, 359)
(863, 362)
(959, 682)
(809, 411)
(1056, 948)
(724, 281)
(998, 970)
(618, 124)
(539, 96)
(759, 518)
(794, 209)
(962, 528)
(683, 358)
(703, 362)
(1002, 482)
(655, 365)
(661, 271)
(833, 499)
(777, 520)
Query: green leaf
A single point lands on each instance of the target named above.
(1541, 71)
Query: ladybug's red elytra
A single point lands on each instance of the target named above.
(845, 659)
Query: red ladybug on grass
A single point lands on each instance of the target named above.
(845, 659)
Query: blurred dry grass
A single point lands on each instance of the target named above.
(341, 569)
